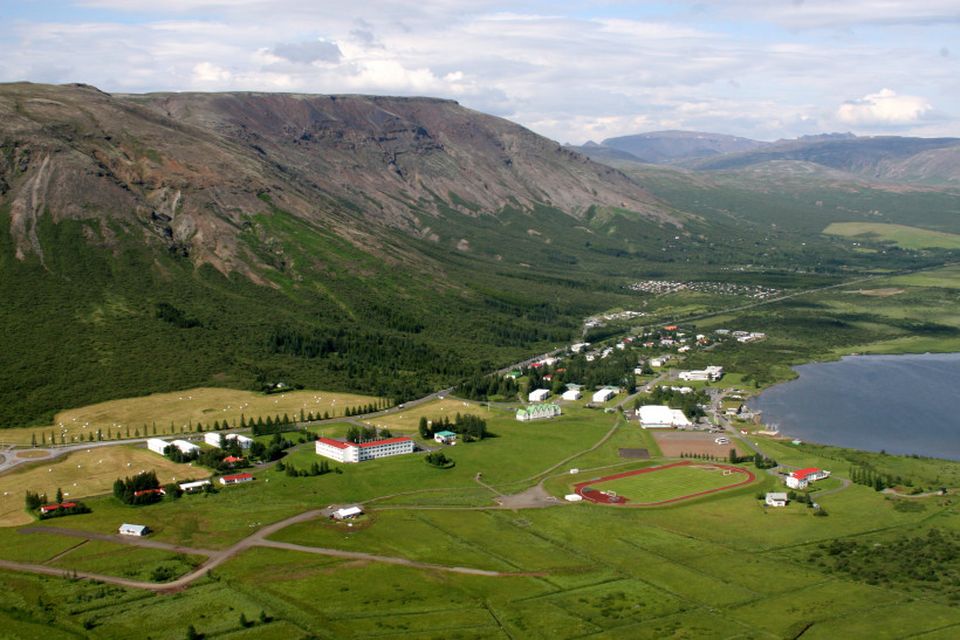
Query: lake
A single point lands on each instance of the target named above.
(901, 404)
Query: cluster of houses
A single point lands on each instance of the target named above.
(799, 479)
(755, 292)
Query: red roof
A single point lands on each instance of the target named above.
(671, 327)
(54, 507)
(377, 443)
(239, 476)
(339, 444)
(144, 492)
(231, 459)
(801, 474)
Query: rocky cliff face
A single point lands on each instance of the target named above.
(185, 171)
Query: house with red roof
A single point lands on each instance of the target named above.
(801, 478)
(342, 451)
(238, 478)
(50, 508)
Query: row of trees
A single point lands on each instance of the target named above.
(469, 426)
(870, 478)
(358, 434)
(315, 469)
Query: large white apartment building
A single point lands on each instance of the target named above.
(351, 452)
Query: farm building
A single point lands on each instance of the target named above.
(352, 452)
(538, 395)
(658, 416)
(213, 438)
(776, 499)
(146, 492)
(347, 512)
(605, 394)
(445, 437)
(134, 529)
(711, 374)
(800, 478)
(571, 394)
(157, 445)
(243, 441)
(185, 447)
(238, 478)
(194, 487)
(538, 412)
(50, 508)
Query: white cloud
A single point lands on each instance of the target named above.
(883, 108)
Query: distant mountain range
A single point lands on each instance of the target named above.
(884, 158)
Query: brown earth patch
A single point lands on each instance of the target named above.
(675, 443)
(880, 293)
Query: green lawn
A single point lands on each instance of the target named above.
(669, 483)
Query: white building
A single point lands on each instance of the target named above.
(243, 441)
(351, 452)
(579, 346)
(193, 487)
(776, 499)
(571, 394)
(801, 478)
(213, 438)
(185, 447)
(347, 512)
(605, 394)
(538, 395)
(134, 529)
(656, 363)
(538, 412)
(658, 416)
(157, 445)
(711, 374)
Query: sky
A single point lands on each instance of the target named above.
(571, 70)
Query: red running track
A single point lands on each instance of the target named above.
(585, 490)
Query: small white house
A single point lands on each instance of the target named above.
(134, 529)
(194, 487)
(571, 394)
(776, 499)
(445, 437)
(347, 512)
(538, 395)
(605, 394)
(213, 438)
(157, 445)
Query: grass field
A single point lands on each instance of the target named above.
(655, 485)
(84, 473)
(182, 409)
(903, 236)
(409, 419)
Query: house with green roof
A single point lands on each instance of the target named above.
(445, 437)
(538, 411)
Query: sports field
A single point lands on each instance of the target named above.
(901, 235)
(664, 484)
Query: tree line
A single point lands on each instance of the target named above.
(469, 426)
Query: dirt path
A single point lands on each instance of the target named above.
(217, 558)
